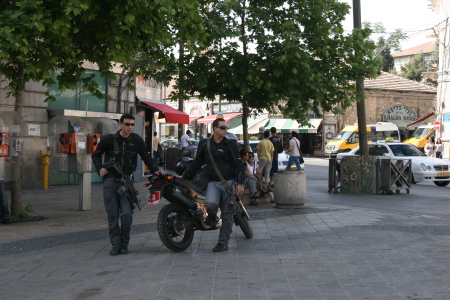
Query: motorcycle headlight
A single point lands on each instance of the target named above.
(416, 144)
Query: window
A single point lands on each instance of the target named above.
(78, 98)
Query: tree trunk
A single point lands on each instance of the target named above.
(16, 162)
(245, 96)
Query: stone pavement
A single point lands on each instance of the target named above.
(324, 251)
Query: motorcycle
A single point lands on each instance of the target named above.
(186, 212)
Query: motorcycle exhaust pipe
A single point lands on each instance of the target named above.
(182, 198)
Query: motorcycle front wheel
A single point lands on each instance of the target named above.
(241, 221)
(172, 228)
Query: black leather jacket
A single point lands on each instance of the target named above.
(228, 160)
(129, 148)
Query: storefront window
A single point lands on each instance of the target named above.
(168, 131)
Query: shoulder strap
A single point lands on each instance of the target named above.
(298, 146)
(224, 182)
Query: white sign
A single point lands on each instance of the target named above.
(34, 129)
(399, 113)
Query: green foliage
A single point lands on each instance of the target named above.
(433, 63)
(385, 43)
(24, 214)
(57, 37)
(282, 55)
(414, 68)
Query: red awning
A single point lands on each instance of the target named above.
(420, 120)
(211, 118)
(171, 114)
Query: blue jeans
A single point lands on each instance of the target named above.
(155, 156)
(4, 211)
(293, 159)
(117, 206)
(217, 196)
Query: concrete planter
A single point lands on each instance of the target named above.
(290, 189)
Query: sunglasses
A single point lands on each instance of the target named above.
(223, 127)
(128, 124)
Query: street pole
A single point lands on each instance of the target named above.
(361, 102)
(180, 88)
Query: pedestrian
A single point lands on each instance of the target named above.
(430, 147)
(156, 147)
(4, 211)
(225, 153)
(121, 148)
(265, 156)
(294, 152)
(439, 148)
(278, 148)
(186, 141)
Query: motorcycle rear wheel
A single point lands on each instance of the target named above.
(172, 228)
(242, 222)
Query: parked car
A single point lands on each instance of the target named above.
(424, 168)
(170, 143)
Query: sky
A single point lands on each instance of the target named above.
(412, 16)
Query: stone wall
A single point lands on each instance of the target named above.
(378, 101)
(34, 112)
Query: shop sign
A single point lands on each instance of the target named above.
(399, 113)
(196, 112)
(227, 108)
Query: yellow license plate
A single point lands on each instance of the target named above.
(444, 174)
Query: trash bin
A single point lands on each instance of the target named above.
(289, 189)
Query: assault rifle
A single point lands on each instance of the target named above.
(127, 185)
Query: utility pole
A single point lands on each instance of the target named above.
(181, 91)
(361, 102)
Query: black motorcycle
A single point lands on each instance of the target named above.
(186, 212)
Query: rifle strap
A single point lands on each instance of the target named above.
(211, 157)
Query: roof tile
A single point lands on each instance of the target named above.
(388, 81)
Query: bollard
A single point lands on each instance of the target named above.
(290, 189)
(45, 161)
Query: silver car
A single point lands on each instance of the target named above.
(424, 168)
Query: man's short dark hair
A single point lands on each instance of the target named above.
(216, 122)
(294, 133)
(266, 134)
(188, 131)
(155, 133)
(273, 130)
(208, 135)
(126, 116)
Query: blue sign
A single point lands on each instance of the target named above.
(446, 118)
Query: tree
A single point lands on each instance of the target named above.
(414, 68)
(385, 42)
(41, 40)
(280, 55)
(386, 58)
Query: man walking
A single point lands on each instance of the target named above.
(265, 156)
(277, 149)
(122, 148)
(225, 153)
(156, 145)
(294, 151)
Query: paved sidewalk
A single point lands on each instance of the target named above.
(324, 251)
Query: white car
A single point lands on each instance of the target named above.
(283, 159)
(424, 168)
